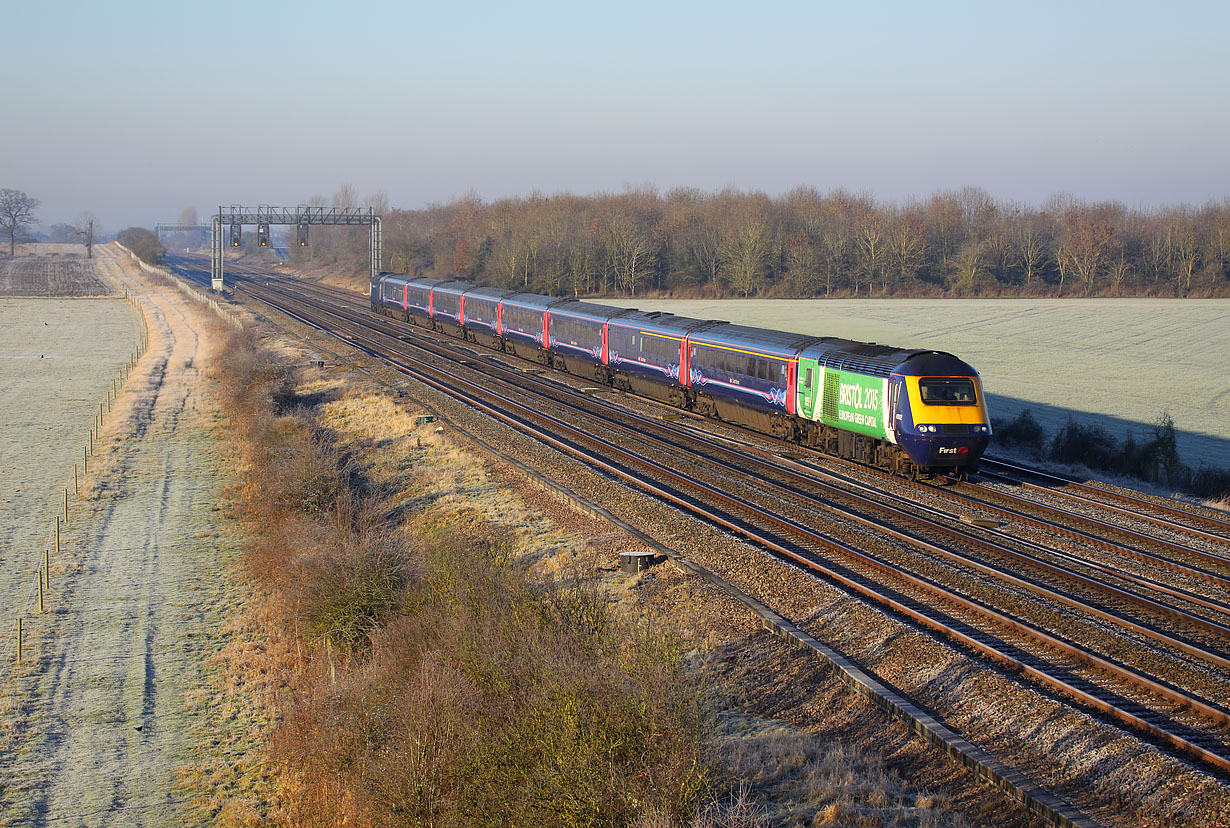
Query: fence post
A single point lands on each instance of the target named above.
(19, 639)
(40, 592)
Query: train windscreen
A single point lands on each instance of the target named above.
(947, 391)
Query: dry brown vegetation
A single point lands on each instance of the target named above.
(433, 649)
(438, 684)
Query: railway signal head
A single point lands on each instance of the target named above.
(302, 235)
(236, 233)
(262, 234)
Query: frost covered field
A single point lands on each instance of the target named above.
(1117, 362)
(57, 360)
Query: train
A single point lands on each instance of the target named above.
(915, 413)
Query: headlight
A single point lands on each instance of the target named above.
(925, 428)
(981, 429)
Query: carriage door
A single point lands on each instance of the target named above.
(896, 419)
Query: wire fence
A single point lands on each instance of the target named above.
(32, 601)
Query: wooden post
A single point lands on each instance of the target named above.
(19, 639)
(40, 592)
(66, 506)
(76, 484)
(47, 565)
(57, 536)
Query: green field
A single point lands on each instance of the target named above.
(1116, 362)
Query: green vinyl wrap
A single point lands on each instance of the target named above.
(847, 400)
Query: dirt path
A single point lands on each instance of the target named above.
(100, 728)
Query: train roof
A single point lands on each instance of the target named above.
(455, 288)
(424, 282)
(533, 300)
(590, 310)
(747, 338)
(662, 322)
(881, 360)
(489, 292)
(936, 364)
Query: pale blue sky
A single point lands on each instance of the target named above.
(135, 110)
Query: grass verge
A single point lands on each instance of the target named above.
(436, 682)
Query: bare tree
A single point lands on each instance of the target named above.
(630, 250)
(747, 250)
(88, 227)
(62, 233)
(871, 246)
(907, 248)
(1032, 237)
(16, 211)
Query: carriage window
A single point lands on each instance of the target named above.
(947, 391)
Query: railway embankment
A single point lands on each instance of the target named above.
(497, 618)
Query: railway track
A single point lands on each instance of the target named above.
(1185, 721)
(1188, 520)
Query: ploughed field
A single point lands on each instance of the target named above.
(51, 277)
(1118, 363)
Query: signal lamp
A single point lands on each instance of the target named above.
(262, 234)
(302, 235)
(236, 233)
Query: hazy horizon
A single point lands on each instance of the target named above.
(135, 110)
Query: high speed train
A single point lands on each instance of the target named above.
(913, 412)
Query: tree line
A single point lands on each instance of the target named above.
(17, 216)
(805, 243)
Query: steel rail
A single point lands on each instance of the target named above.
(1222, 526)
(877, 503)
(448, 382)
(1050, 808)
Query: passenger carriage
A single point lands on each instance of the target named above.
(646, 354)
(747, 375)
(447, 299)
(577, 333)
(523, 324)
(418, 300)
(389, 295)
(481, 315)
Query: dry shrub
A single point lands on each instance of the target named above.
(454, 690)
(490, 700)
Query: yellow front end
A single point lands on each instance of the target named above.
(945, 423)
